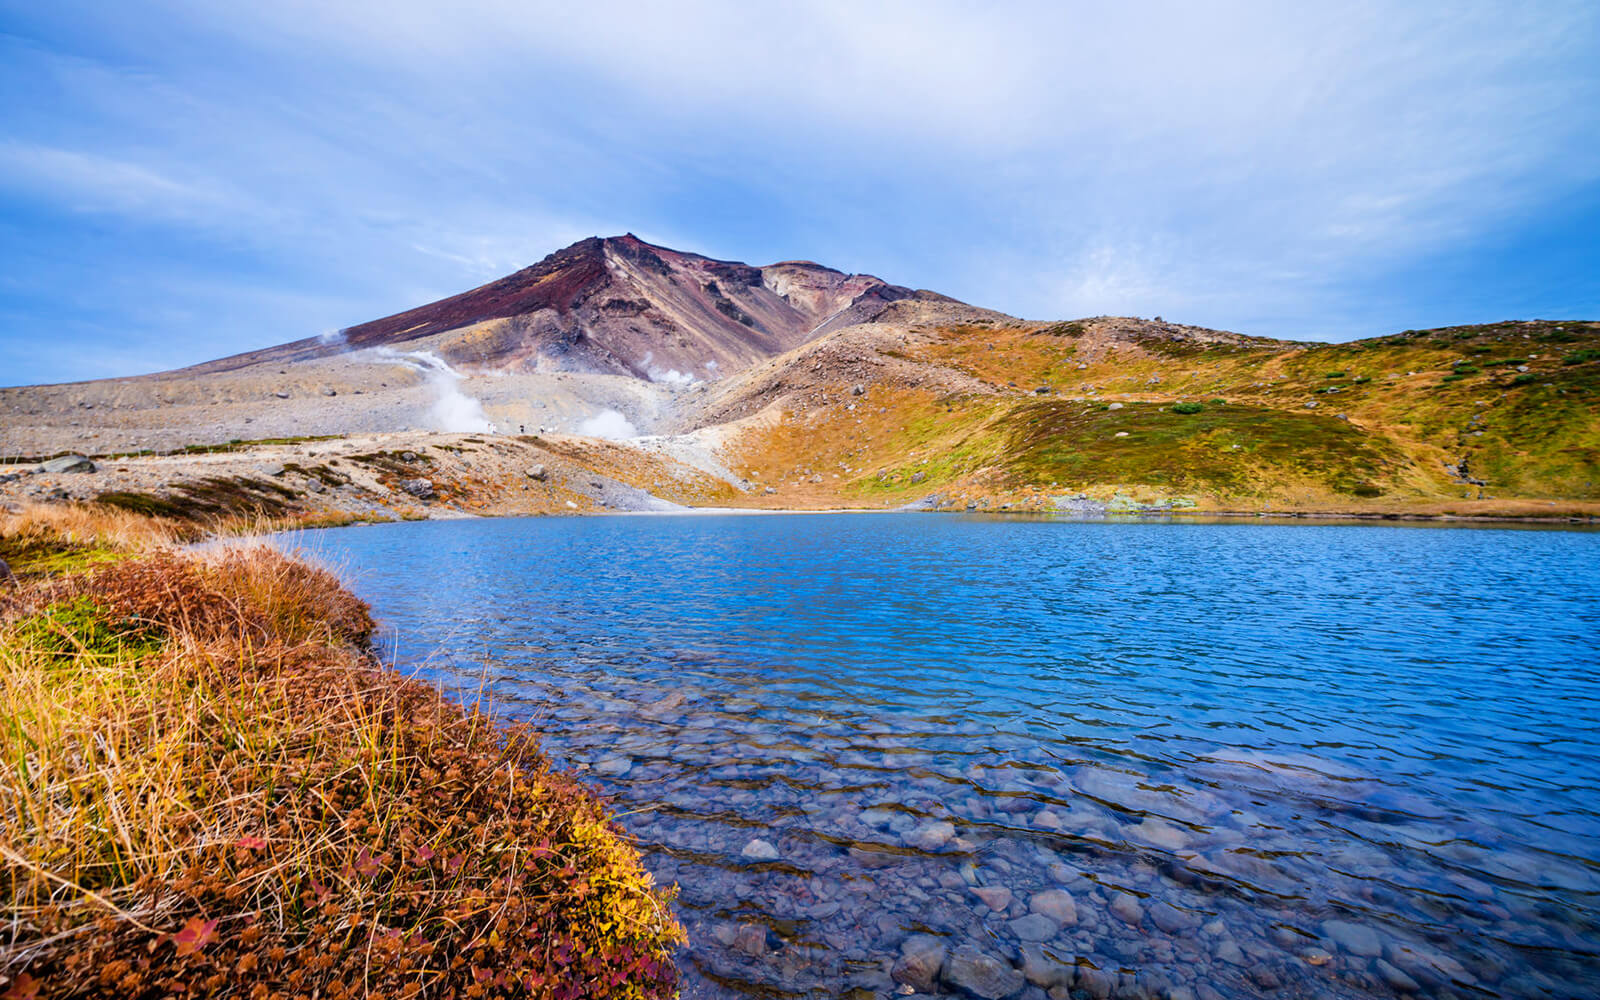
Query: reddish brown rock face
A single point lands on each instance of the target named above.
(621, 306)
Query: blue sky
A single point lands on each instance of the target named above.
(183, 180)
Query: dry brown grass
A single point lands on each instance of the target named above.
(47, 538)
(208, 787)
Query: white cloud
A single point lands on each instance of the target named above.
(89, 182)
(1255, 163)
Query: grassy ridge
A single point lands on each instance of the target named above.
(1408, 421)
(1219, 449)
(207, 786)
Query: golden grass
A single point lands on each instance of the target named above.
(207, 786)
(46, 538)
(1530, 436)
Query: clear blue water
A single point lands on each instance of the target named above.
(1308, 760)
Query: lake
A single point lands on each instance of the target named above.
(886, 753)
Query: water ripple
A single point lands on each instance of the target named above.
(1342, 761)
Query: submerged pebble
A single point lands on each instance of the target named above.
(869, 819)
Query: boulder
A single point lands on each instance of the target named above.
(537, 472)
(921, 958)
(68, 463)
(1035, 927)
(1158, 833)
(1043, 971)
(1096, 984)
(422, 489)
(995, 897)
(751, 939)
(1357, 939)
(1397, 979)
(1228, 950)
(917, 477)
(1057, 904)
(1430, 967)
(982, 974)
(931, 836)
(759, 850)
(1171, 919)
(1125, 907)
(6, 576)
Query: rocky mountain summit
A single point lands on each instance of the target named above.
(619, 306)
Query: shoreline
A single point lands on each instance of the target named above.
(129, 646)
(1552, 521)
(426, 475)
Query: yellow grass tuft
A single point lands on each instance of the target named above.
(208, 786)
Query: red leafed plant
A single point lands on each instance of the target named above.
(24, 987)
(292, 818)
(196, 934)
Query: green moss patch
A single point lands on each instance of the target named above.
(1228, 448)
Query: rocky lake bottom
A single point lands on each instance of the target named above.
(927, 755)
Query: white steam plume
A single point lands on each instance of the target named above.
(452, 409)
(669, 376)
(608, 424)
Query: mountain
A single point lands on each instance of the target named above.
(797, 385)
(1021, 415)
(618, 305)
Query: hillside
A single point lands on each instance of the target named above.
(1024, 414)
(798, 386)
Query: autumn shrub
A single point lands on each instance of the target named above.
(44, 539)
(208, 787)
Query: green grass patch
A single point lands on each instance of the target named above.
(1073, 329)
(1187, 408)
(79, 630)
(1232, 448)
(29, 555)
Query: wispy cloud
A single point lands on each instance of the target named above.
(88, 182)
(1275, 168)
